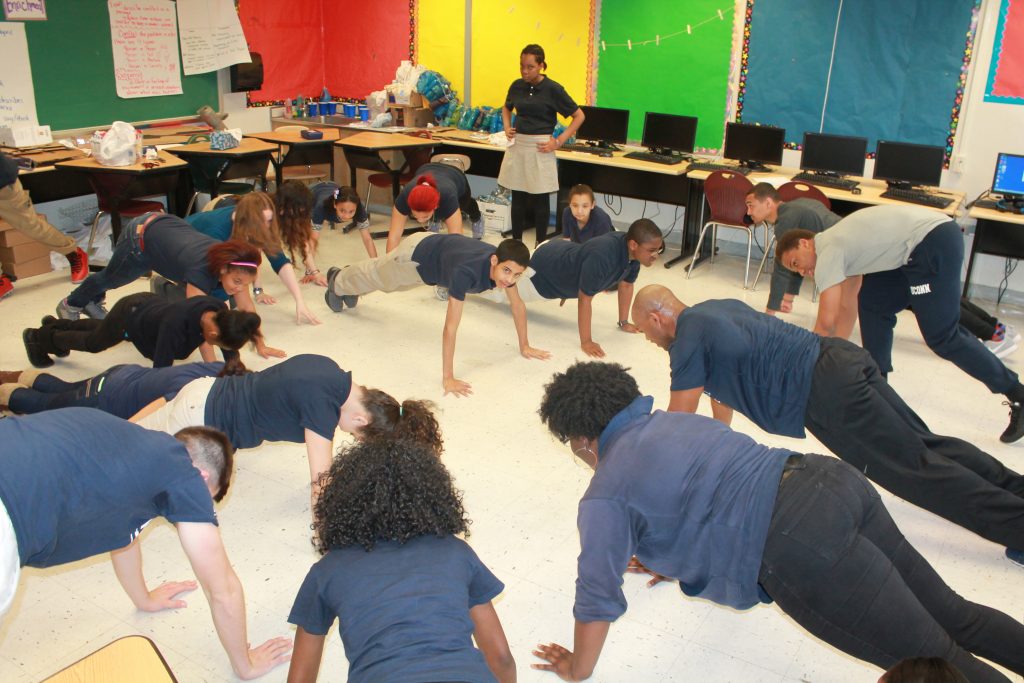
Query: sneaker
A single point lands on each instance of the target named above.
(1015, 556)
(1003, 348)
(441, 293)
(95, 310)
(1010, 332)
(66, 311)
(6, 286)
(478, 229)
(335, 302)
(36, 356)
(1015, 429)
(79, 262)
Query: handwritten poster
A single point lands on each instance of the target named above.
(144, 34)
(17, 98)
(211, 35)
(25, 10)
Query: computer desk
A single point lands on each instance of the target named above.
(998, 233)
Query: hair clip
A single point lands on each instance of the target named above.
(247, 264)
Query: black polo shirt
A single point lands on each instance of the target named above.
(536, 106)
(165, 331)
(176, 250)
(460, 263)
(451, 184)
(563, 269)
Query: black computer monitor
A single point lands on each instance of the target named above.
(604, 126)
(1009, 178)
(667, 133)
(833, 154)
(753, 145)
(903, 164)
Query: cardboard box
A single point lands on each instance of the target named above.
(36, 266)
(13, 238)
(496, 217)
(413, 117)
(25, 135)
(23, 252)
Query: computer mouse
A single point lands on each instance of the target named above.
(854, 190)
(604, 154)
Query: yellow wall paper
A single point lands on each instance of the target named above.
(501, 28)
(441, 39)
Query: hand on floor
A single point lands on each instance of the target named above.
(530, 352)
(163, 596)
(592, 349)
(457, 387)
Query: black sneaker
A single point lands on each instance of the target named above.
(50, 320)
(1015, 430)
(36, 356)
(350, 300)
(334, 301)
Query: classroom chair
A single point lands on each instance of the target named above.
(414, 158)
(289, 173)
(726, 193)
(107, 187)
(788, 192)
(459, 161)
(204, 173)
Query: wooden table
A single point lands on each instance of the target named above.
(363, 150)
(117, 184)
(999, 233)
(126, 660)
(295, 150)
(249, 160)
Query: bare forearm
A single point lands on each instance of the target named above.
(519, 319)
(291, 283)
(584, 315)
(588, 642)
(625, 294)
(448, 352)
(228, 610)
(127, 563)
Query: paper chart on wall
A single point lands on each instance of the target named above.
(17, 98)
(211, 35)
(144, 36)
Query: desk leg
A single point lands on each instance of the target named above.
(979, 228)
(691, 221)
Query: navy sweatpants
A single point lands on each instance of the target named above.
(930, 284)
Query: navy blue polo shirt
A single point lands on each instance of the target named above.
(321, 191)
(564, 269)
(460, 263)
(174, 249)
(78, 482)
(537, 106)
(280, 403)
(164, 331)
(126, 389)
(688, 496)
(750, 361)
(218, 224)
(451, 184)
(402, 609)
(599, 223)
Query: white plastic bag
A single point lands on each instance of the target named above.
(407, 74)
(120, 145)
(377, 103)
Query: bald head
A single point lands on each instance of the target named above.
(655, 311)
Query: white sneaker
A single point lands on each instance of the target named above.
(1003, 348)
(1010, 332)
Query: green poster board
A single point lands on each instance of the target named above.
(73, 72)
(684, 74)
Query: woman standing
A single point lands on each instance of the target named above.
(528, 168)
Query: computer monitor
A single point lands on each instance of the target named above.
(752, 145)
(604, 126)
(833, 154)
(1009, 178)
(667, 133)
(903, 164)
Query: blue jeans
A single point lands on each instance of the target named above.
(835, 562)
(930, 285)
(127, 263)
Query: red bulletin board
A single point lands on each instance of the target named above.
(1006, 81)
(351, 47)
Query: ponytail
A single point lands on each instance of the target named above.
(237, 328)
(233, 366)
(411, 420)
(424, 196)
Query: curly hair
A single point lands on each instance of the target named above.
(294, 208)
(412, 420)
(383, 490)
(581, 401)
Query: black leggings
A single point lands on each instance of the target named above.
(91, 336)
(977, 320)
(538, 206)
(467, 203)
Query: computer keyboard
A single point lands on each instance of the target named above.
(583, 147)
(709, 166)
(656, 158)
(825, 180)
(918, 197)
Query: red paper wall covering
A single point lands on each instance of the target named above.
(1009, 73)
(351, 47)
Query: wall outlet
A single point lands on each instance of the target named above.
(958, 163)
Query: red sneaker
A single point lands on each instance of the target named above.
(6, 286)
(79, 261)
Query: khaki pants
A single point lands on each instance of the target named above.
(16, 208)
(389, 273)
(187, 409)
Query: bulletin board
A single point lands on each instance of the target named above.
(441, 39)
(1006, 73)
(501, 28)
(872, 68)
(650, 61)
(73, 72)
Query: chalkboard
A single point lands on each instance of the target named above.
(73, 72)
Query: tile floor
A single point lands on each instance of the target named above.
(521, 489)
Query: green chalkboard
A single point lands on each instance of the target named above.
(685, 74)
(73, 72)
